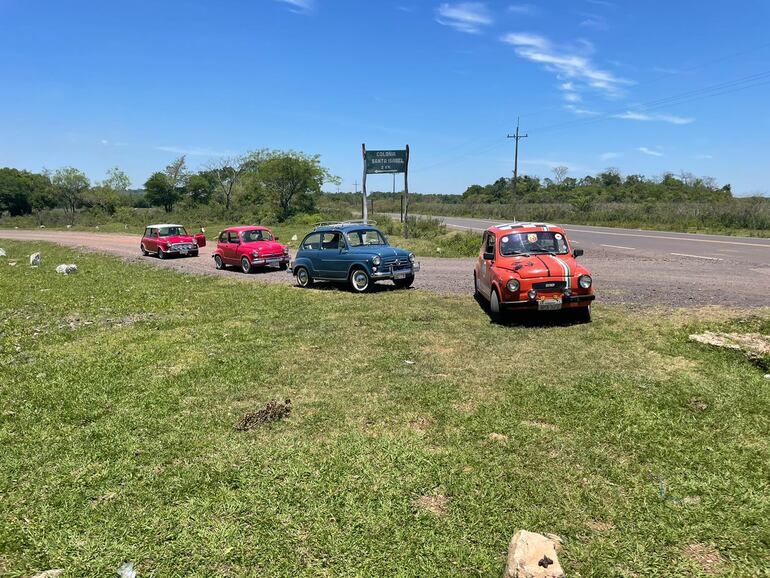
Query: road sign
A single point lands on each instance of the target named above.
(380, 162)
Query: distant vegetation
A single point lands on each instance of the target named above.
(271, 187)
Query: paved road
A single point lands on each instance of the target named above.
(628, 266)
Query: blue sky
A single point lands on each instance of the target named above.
(646, 87)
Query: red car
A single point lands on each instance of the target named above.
(532, 266)
(167, 240)
(249, 248)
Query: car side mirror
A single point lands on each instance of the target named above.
(577, 252)
(489, 256)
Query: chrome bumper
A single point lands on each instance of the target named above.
(390, 273)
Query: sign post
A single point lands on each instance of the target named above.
(381, 162)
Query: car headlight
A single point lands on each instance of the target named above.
(376, 260)
(285, 250)
(585, 281)
(411, 257)
(255, 254)
(194, 242)
(513, 285)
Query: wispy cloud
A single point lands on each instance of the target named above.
(647, 117)
(652, 153)
(299, 6)
(470, 17)
(608, 156)
(602, 3)
(594, 22)
(580, 111)
(570, 64)
(523, 9)
(193, 151)
(704, 157)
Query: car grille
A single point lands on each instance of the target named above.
(549, 286)
(270, 255)
(396, 263)
(182, 247)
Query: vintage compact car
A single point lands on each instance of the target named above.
(352, 252)
(250, 248)
(170, 240)
(532, 266)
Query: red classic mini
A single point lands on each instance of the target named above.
(250, 248)
(532, 266)
(168, 240)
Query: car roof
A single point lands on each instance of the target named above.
(345, 227)
(240, 228)
(164, 225)
(524, 227)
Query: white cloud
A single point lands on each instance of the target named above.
(594, 22)
(580, 111)
(608, 156)
(650, 152)
(704, 157)
(468, 17)
(523, 9)
(299, 6)
(104, 141)
(572, 97)
(647, 117)
(569, 64)
(193, 151)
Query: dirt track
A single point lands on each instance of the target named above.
(618, 277)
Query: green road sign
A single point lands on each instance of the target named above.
(378, 162)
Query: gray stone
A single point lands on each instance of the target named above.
(532, 555)
(67, 269)
(34, 259)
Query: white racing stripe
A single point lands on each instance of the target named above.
(697, 256)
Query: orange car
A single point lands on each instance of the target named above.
(532, 266)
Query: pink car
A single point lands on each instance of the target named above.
(250, 248)
(167, 240)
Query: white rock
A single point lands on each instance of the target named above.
(42, 226)
(55, 573)
(69, 226)
(2, 253)
(294, 237)
(127, 570)
(34, 259)
(67, 269)
(532, 555)
(12, 263)
(97, 227)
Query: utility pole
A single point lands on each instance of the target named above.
(516, 136)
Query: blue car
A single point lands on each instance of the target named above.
(355, 253)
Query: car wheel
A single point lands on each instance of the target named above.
(582, 314)
(161, 254)
(303, 277)
(359, 280)
(494, 306)
(245, 265)
(404, 283)
(194, 254)
(476, 292)
(144, 251)
(283, 266)
(218, 263)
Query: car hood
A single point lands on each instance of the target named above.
(536, 266)
(178, 239)
(271, 246)
(381, 250)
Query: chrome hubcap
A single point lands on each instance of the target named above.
(302, 277)
(360, 280)
(245, 265)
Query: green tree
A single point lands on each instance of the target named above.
(160, 192)
(200, 188)
(21, 192)
(69, 185)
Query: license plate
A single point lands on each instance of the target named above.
(549, 304)
(184, 251)
(399, 275)
(273, 261)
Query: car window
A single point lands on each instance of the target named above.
(153, 232)
(172, 231)
(253, 235)
(366, 237)
(332, 240)
(312, 241)
(489, 247)
(223, 237)
(147, 232)
(533, 242)
(233, 237)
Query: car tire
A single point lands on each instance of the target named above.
(283, 266)
(161, 254)
(476, 292)
(303, 277)
(495, 311)
(404, 283)
(582, 314)
(218, 263)
(245, 265)
(194, 254)
(359, 280)
(145, 252)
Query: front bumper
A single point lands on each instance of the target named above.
(270, 261)
(391, 273)
(183, 250)
(567, 302)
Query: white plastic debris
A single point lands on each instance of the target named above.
(69, 226)
(67, 269)
(2, 253)
(34, 259)
(294, 237)
(97, 227)
(42, 226)
(12, 263)
(409, 362)
(127, 570)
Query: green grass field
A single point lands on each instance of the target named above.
(120, 389)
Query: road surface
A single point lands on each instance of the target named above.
(628, 266)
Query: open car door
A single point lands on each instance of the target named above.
(201, 238)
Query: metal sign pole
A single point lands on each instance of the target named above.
(406, 195)
(364, 207)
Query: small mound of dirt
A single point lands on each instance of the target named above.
(707, 557)
(754, 346)
(698, 404)
(273, 411)
(434, 504)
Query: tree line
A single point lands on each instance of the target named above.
(281, 183)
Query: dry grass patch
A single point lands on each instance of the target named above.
(707, 557)
(436, 504)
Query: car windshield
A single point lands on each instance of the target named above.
(366, 237)
(254, 235)
(172, 231)
(533, 243)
